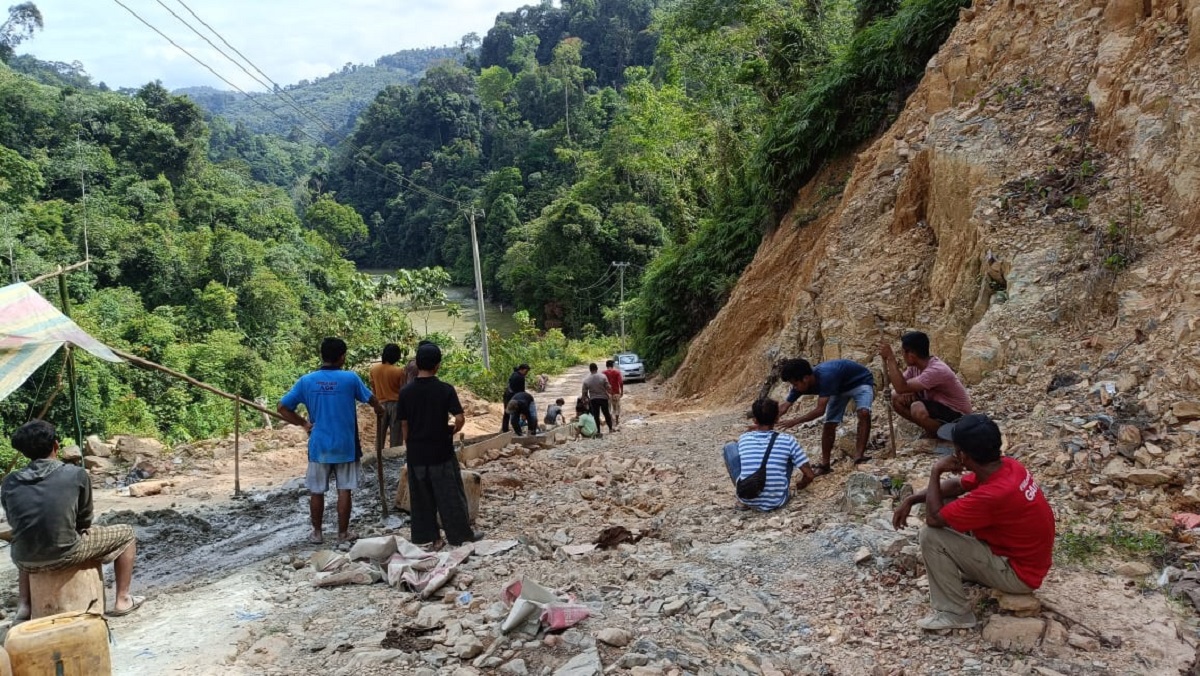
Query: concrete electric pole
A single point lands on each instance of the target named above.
(621, 271)
(483, 334)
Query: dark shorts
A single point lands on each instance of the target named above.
(939, 411)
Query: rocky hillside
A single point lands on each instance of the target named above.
(1033, 208)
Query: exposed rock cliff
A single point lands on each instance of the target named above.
(1032, 208)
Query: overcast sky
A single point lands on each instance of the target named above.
(290, 40)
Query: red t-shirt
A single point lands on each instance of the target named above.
(615, 380)
(1009, 512)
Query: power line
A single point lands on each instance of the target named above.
(358, 151)
(607, 273)
(275, 86)
(275, 89)
(291, 101)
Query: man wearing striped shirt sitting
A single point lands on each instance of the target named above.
(745, 456)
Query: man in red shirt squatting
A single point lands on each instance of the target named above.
(999, 533)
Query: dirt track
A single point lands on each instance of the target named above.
(708, 590)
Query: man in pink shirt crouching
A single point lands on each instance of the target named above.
(928, 393)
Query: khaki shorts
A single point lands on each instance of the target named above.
(101, 544)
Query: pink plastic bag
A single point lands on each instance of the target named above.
(1187, 520)
(559, 616)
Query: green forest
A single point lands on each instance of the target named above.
(670, 135)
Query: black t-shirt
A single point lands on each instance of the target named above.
(516, 382)
(523, 400)
(426, 404)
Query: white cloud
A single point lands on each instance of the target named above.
(289, 40)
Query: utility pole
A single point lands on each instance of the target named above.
(487, 364)
(621, 271)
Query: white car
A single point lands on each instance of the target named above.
(631, 366)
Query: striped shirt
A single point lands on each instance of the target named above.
(786, 452)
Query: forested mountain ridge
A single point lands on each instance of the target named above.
(337, 98)
(667, 135)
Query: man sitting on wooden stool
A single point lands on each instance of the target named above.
(49, 506)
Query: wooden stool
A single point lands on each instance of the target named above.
(69, 590)
(472, 486)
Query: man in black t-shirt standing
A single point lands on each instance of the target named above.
(434, 480)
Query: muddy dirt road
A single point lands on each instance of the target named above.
(706, 590)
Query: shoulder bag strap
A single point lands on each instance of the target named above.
(770, 445)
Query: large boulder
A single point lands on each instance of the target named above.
(133, 448)
(71, 454)
(863, 493)
(95, 446)
(982, 353)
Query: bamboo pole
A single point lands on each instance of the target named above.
(58, 273)
(237, 449)
(70, 362)
(147, 364)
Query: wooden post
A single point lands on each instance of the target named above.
(70, 361)
(237, 448)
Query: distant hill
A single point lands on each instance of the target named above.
(337, 98)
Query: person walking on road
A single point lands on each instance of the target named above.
(330, 394)
(616, 388)
(386, 380)
(435, 486)
(596, 391)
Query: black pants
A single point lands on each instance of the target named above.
(437, 490)
(504, 418)
(601, 406)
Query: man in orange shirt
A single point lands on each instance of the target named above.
(386, 381)
(616, 383)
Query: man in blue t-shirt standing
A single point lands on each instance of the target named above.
(835, 383)
(330, 395)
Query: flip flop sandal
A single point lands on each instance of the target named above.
(137, 603)
(315, 538)
(347, 537)
(822, 470)
(865, 458)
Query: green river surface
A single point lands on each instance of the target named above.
(439, 320)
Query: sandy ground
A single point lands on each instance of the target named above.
(709, 590)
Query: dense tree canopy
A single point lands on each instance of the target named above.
(194, 264)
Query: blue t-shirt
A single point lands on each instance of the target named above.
(785, 454)
(835, 377)
(330, 396)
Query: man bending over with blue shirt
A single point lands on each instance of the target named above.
(835, 383)
(330, 394)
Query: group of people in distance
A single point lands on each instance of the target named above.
(422, 413)
(986, 518)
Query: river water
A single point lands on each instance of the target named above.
(438, 320)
